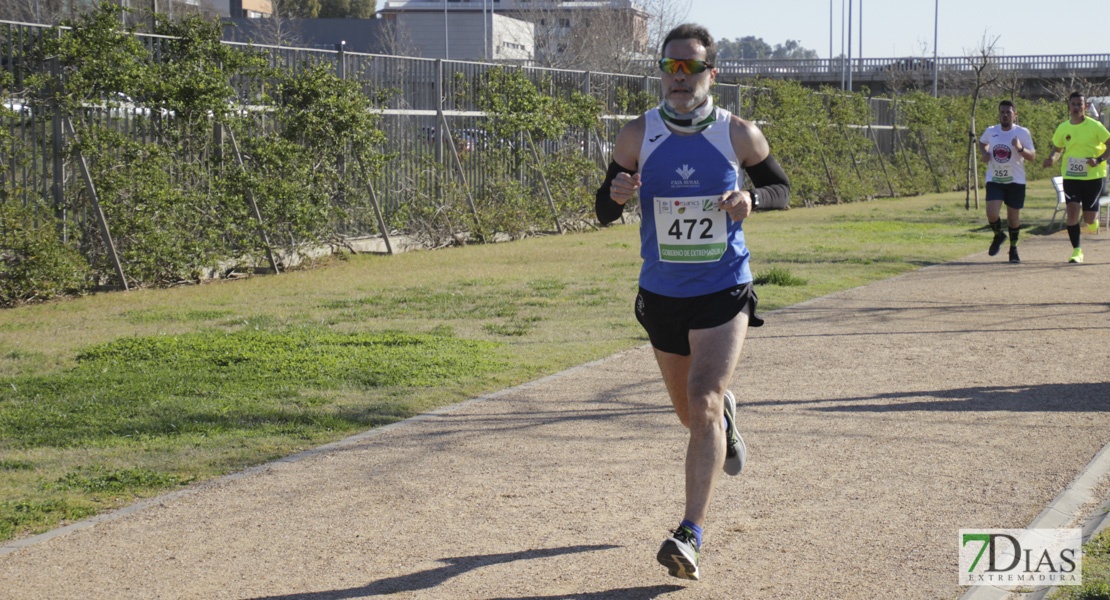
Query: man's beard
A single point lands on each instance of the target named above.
(693, 100)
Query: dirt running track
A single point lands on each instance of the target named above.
(879, 421)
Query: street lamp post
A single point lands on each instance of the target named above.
(842, 65)
(849, 45)
(936, 15)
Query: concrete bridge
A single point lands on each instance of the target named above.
(1032, 76)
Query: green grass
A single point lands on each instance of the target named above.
(1096, 573)
(242, 384)
(777, 276)
(112, 397)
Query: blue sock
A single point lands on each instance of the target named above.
(694, 528)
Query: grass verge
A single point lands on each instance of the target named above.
(1096, 572)
(112, 397)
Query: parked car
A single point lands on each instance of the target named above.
(909, 64)
(16, 106)
(468, 139)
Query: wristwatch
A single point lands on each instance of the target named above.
(755, 199)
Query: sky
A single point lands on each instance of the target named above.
(897, 28)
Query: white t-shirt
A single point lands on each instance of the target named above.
(1006, 165)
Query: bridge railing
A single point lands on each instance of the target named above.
(1031, 64)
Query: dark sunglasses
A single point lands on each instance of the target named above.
(690, 66)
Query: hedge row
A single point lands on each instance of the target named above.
(179, 202)
(831, 158)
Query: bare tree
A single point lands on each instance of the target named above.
(910, 73)
(1060, 88)
(663, 16)
(277, 30)
(552, 27)
(46, 12)
(142, 12)
(615, 36)
(985, 69)
(395, 40)
(606, 40)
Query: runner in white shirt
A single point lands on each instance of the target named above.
(1005, 149)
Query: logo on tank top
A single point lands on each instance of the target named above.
(685, 171)
(1001, 153)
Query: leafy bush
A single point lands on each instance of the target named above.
(825, 147)
(35, 262)
(194, 173)
(176, 199)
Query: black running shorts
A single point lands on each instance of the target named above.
(1012, 194)
(1083, 191)
(668, 320)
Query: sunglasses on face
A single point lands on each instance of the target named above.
(690, 66)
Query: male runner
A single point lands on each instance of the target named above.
(1081, 141)
(1005, 149)
(696, 298)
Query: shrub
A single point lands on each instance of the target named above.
(35, 264)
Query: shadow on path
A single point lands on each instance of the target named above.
(455, 566)
(1055, 397)
(640, 593)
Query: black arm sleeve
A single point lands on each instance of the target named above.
(770, 181)
(607, 209)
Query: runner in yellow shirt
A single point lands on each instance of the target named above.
(1081, 141)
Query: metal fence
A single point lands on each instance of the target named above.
(424, 99)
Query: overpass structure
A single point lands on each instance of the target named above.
(1032, 75)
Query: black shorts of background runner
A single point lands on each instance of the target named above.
(1012, 194)
(668, 320)
(1083, 191)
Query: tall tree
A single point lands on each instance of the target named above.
(748, 47)
(984, 64)
(792, 49)
(611, 37)
(298, 9)
(751, 47)
(347, 9)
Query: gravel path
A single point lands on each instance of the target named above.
(879, 421)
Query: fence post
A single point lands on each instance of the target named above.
(341, 60)
(828, 174)
(218, 143)
(851, 151)
(462, 175)
(253, 206)
(928, 161)
(341, 72)
(57, 187)
(105, 234)
(588, 142)
(879, 153)
(439, 112)
(543, 178)
(374, 202)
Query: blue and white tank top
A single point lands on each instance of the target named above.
(689, 246)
